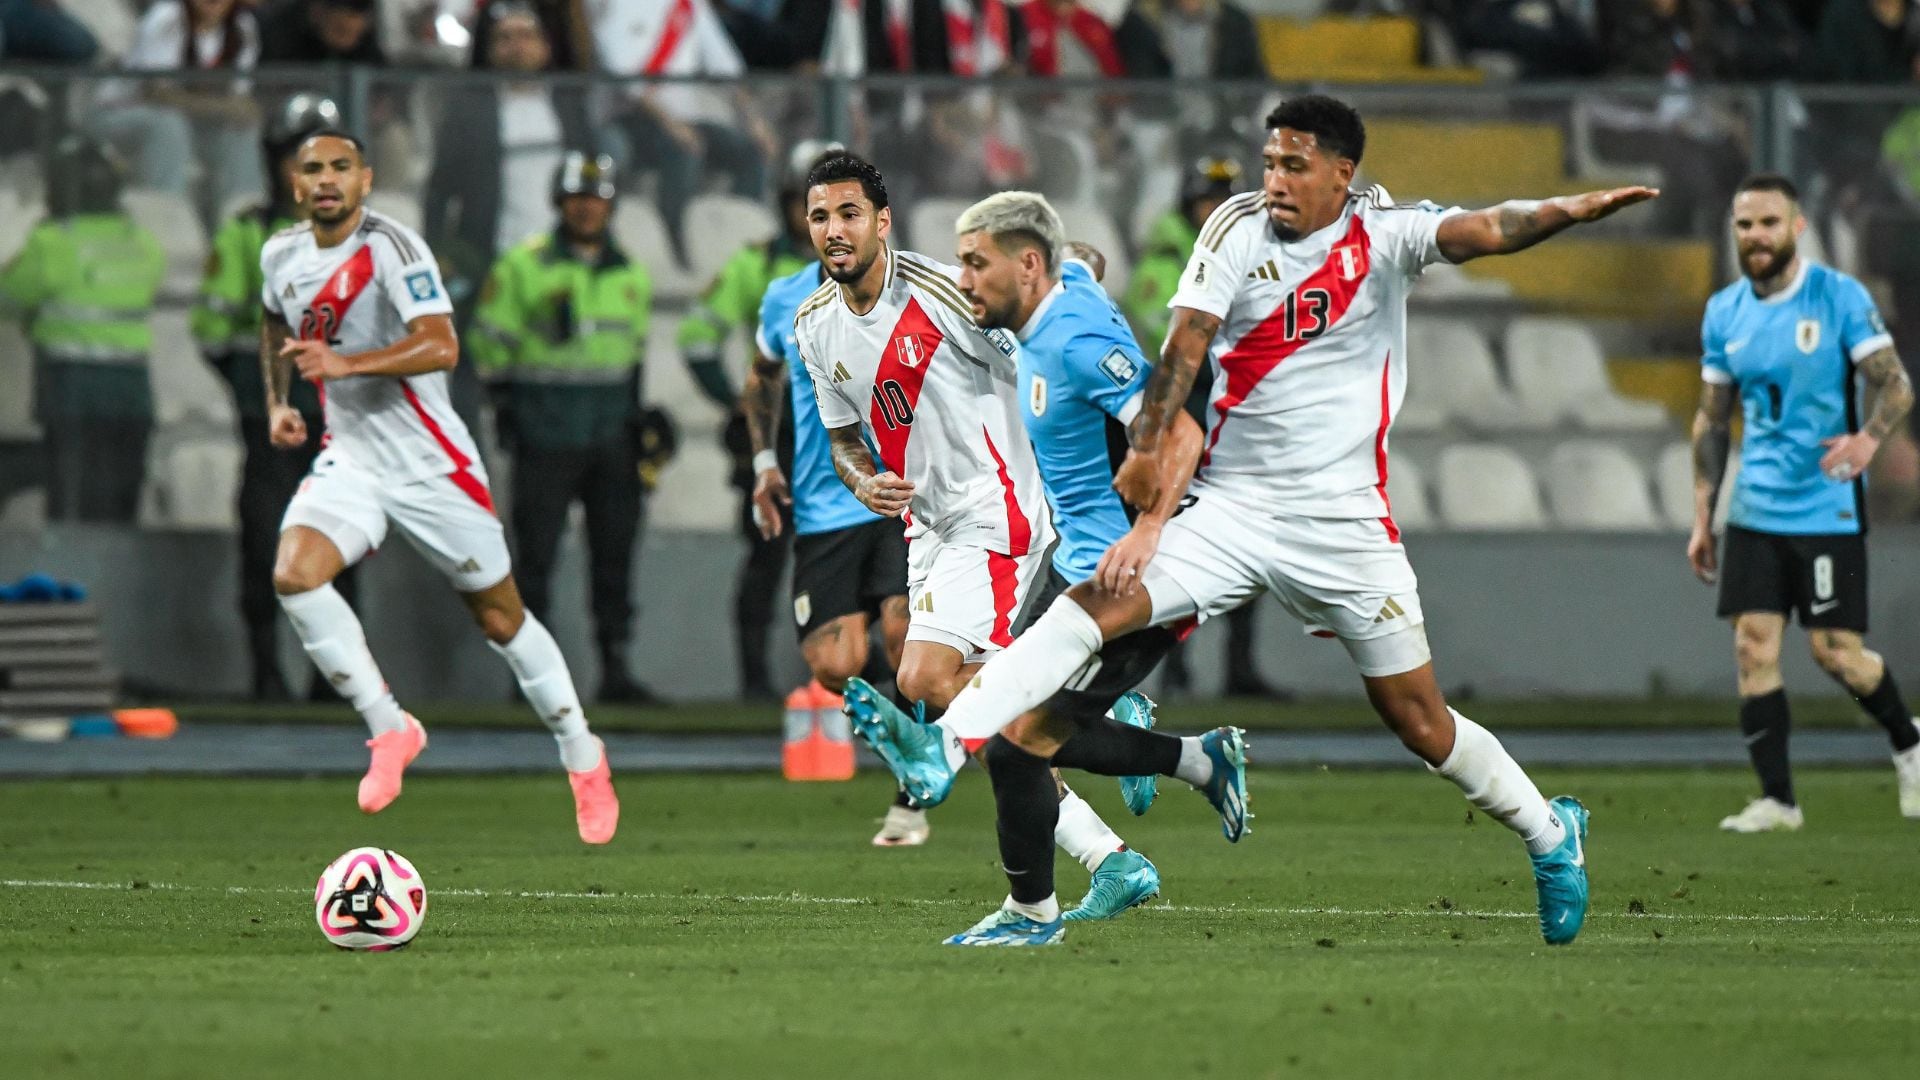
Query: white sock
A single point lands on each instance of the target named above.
(1195, 766)
(335, 641)
(1082, 834)
(1045, 911)
(1026, 673)
(1495, 783)
(536, 662)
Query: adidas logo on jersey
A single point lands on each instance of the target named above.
(1266, 271)
(925, 603)
(469, 567)
(1389, 611)
(840, 373)
(287, 293)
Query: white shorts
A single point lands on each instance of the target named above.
(1341, 578)
(967, 597)
(449, 519)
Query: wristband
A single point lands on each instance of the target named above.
(764, 460)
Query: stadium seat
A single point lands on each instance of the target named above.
(717, 226)
(1089, 224)
(25, 511)
(1450, 369)
(112, 23)
(930, 226)
(399, 206)
(198, 484)
(1556, 369)
(640, 230)
(1597, 485)
(16, 373)
(184, 385)
(1673, 483)
(173, 222)
(17, 220)
(1485, 486)
(1407, 491)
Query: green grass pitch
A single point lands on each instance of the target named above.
(742, 927)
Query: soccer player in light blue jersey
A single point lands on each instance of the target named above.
(1803, 351)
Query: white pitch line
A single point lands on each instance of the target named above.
(805, 900)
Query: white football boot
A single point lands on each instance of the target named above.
(903, 827)
(1906, 766)
(1764, 815)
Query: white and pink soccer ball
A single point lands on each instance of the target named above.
(371, 899)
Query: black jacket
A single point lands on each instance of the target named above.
(463, 190)
(1236, 46)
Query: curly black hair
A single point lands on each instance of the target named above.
(1768, 181)
(1334, 123)
(847, 166)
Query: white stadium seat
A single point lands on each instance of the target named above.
(1597, 485)
(1486, 486)
(1090, 225)
(1407, 491)
(184, 385)
(1450, 369)
(399, 206)
(930, 227)
(172, 221)
(1556, 368)
(717, 226)
(199, 483)
(638, 227)
(17, 220)
(1673, 482)
(112, 22)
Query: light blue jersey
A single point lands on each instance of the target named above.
(1081, 373)
(1791, 355)
(821, 503)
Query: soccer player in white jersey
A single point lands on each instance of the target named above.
(1297, 293)
(893, 349)
(354, 302)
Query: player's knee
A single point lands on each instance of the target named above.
(499, 624)
(833, 669)
(290, 577)
(1756, 652)
(1837, 655)
(931, 683)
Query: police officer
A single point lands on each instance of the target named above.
(733, 300)
(1210, 182)
(226, 323)
(84, 283)
(558, 336)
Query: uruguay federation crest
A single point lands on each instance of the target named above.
(1807, 335)
(802, 608)
(1037, 400)
(907, 349)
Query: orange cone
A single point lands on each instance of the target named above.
(147, 723)
(819, 741)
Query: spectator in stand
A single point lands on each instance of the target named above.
(1066, 38)
(568, 33)
(161, 125)
(318, 32)
(1694, 143)
(1548, 39)
(1866, 41)
(1758, 40)
(496, 152)
(39, 30)
(1191, 39)
(683, 131)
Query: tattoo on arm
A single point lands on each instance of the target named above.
(1501, 230)
(760, 401)
(1712, 442)
(851, 458)
(275, 371)
(1165, 394)
(1889, 392)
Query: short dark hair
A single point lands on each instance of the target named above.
(1334, 123)
(335, 133)
(840, 166)
(1768, 181)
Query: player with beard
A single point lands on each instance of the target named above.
(895, 355)
(1789, 341)
(375, 331)
(1297, 295)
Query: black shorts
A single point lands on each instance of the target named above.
(1122, 665)
(847, 571)
(1821, 578)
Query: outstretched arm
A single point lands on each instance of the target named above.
(884, 493)
(430, 345)
(1712, 442)
(1889, 395)
(1520, 224)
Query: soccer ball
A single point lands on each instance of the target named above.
(370, 898)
